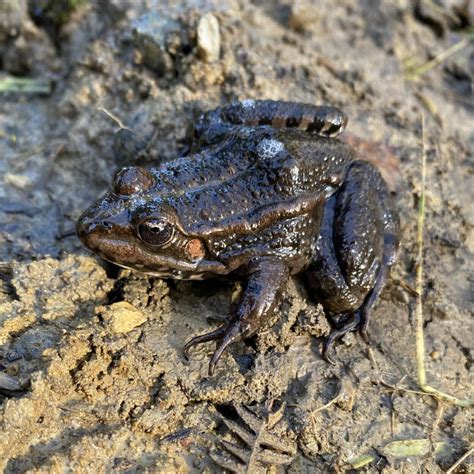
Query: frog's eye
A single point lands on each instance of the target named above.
(155, 231)
(131, 180)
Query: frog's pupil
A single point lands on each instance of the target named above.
(155, 231)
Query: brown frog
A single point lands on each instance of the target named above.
(267, 192)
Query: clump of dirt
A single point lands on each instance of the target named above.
(92, 372)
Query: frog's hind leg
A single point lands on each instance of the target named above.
(322, 120)
(354, 252)
(359, 320)
(391, 241)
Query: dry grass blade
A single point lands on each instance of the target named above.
(361, 461)
(273, 457)
(252, 420)
(460, 461)
(256, 423)
(430, 106)
(275, 442)
(25, 85)
(274, 417)
(242, 433)
(420, 337)
(407, 448)
(236, 450)
(9, 383)
(113, 117)
(420, 70)
(226, 461)
(255, 446)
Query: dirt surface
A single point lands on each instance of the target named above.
(91, 371)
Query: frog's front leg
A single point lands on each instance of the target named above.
(267, 278)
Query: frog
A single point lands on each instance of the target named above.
(267, 192)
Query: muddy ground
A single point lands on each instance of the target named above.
(91, 369)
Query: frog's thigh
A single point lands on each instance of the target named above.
(358, 229)
(350, 246)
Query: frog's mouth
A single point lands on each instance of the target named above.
(129, 254)
(174, 274)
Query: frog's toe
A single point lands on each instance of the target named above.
(211, 336)
(329, 343)
(327, 346)
(353, 323)
(232, 333)
(363, 334)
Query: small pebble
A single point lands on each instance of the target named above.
(435, 355)
(123, 317)
(303, 16)
(13, 14)
(209, 38)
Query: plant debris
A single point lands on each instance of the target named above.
(408, 448)
(258, 446)
(25, 85)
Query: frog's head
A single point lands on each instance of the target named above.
(134, 227)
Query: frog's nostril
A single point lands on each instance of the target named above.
(87, 225)
(81, 227)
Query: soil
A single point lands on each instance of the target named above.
(92, 377)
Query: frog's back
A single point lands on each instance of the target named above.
(221, 186)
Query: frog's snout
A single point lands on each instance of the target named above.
(87, 227)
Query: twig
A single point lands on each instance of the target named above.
(460, 461)
(331, 402)
(407, 288)
(420, 340)
(396, 387)
(439, 414)
(430, 107)
(420, 337)
(113, 117)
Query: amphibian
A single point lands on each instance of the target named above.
(267, 192)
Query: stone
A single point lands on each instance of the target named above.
(122, 317)
(153, 33)
(303, 16)
(13, 13)
(209, 38)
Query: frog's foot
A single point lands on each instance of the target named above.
(210, 336)
(354, 322)
(228, 335)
